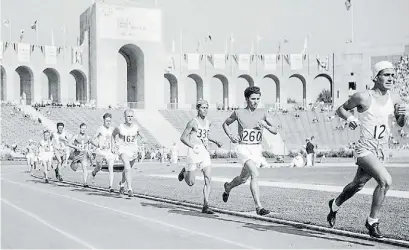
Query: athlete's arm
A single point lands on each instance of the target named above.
(232, 118)
(185, 135)
(400, 110)
(114, 139)
(270, 127)
(71, 143)
(353, 102)
(141, 139)
(211, 139)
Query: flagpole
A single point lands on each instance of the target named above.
(181, 50)
(37, 28)
(10, 31)
(352, 22)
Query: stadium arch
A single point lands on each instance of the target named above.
(225, 85)
(304, 86)
(174, 92)
(248, 78)
(26, 82)
(80, 85)
(331, 83)
(3, 79)
(54, 90)
(199, 85)
(135, 87)
(277, 82)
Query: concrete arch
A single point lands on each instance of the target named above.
(199, 85)
(331, 86)
(248, 78)
(304, 85)
(80, 85)
(26, 83)
(173, 84)
(54, 88)
(3, 80)
(277, 82)
(135, 61)
(225, 83)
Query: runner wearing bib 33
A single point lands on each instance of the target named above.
(249, 151)
(103, 138)
(196, 137)
(376, 110)
(125, 142)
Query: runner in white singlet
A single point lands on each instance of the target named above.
(31, 156)
(103, 138)
(196, 137)
(46, 153)
(376, 109)
(251, 122)
(125, 141)
(82, 155)
(61, 151)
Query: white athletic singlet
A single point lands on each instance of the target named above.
(104, 140)
(247, 120)
(202, 132)
(375, 122)
(46, 146)
(375, 126)
(58, 143)
(128, 136)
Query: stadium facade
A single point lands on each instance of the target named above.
(152, 78)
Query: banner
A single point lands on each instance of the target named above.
(296, 61)
(76, 55)
(244, 62)
(124, 22)
(193, 61)
(50, 54)
(1, 50)
(171, 63)
(219, 61)
(270, 62)
(23, 52)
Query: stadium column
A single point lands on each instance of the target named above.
(207, 91)
(37, 87)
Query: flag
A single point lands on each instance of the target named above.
(34, 25)
(6, 23)
(348, 4)
(232, 40)
(208, 38)
(304, 51)
(259, 38)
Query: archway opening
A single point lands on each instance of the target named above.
(321, 83)
(171, 93)
(80, 85)
(53, 85)
(196, 86)
(295, 92)
(26, 83)
(3, 79)
(135, 78)
(270, 91)
(243, 82)
(220, 92)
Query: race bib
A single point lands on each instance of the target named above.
(202, 134)
(251, 136)
(129, 138)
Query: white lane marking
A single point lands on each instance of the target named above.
(68, 235)
(190, 231)
(316, 187)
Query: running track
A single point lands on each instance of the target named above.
(56, 215)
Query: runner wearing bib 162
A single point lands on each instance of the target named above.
(251, 123)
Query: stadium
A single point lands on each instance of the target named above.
(121, 62)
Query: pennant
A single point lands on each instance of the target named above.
(6, 23)
(348, 4)
(34, 25)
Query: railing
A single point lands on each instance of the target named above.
(172, 105)
(136, 105)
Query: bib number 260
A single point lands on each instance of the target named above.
(251, 136)
(378, 132)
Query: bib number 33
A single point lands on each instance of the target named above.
(251, 136)
(379, 131)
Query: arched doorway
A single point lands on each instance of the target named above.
(26, 83)
(3, 79)
(80, 85)
(135, 80)
(320, 83)
(191, 97)
(267, 89)
(171, 96)
(221, 96)
(243, 82)
(53, 78)
(304, 86)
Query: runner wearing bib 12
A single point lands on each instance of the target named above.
(251, 123)
(376, 108)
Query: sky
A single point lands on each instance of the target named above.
(326, 23)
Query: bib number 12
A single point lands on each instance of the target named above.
(378, 132)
